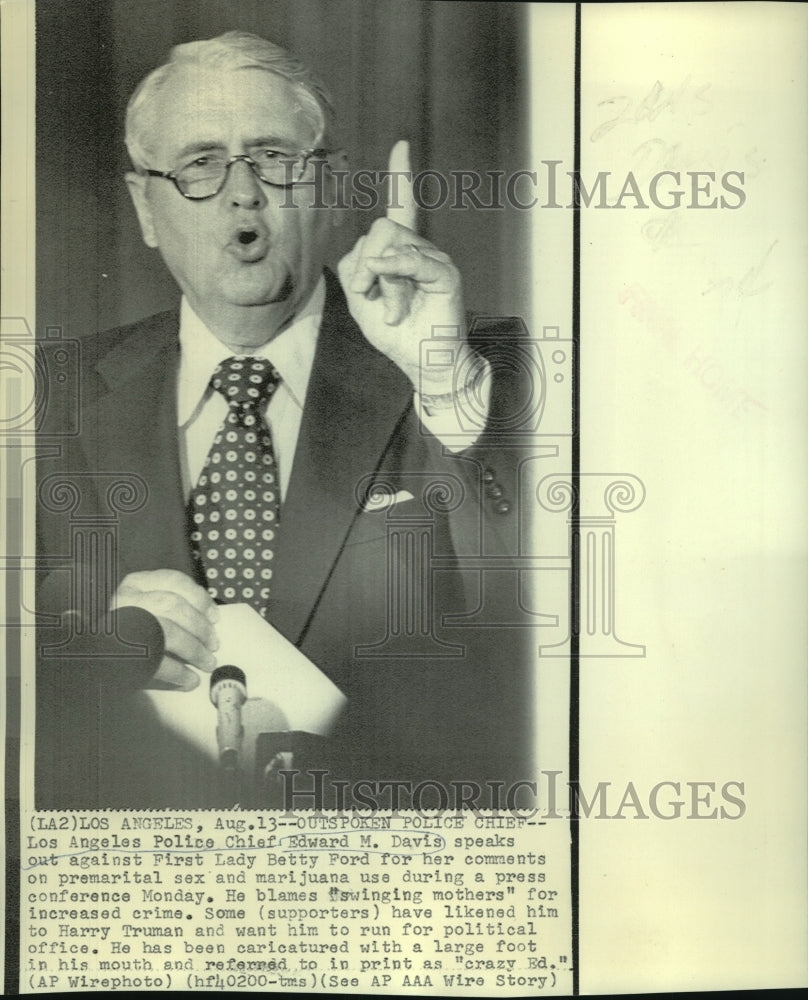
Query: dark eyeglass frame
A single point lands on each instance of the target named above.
(307, 154)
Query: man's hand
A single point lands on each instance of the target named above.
(187, 615)
(399, 286)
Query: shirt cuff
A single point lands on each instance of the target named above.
(457, 419)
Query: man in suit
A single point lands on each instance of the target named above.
(219, 137)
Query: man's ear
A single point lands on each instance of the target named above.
(338, 160)
(137, 189)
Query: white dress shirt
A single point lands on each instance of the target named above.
(201, 410)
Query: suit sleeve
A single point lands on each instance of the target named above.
(488, 521)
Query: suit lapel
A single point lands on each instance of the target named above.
(136, 433)
(355, 401)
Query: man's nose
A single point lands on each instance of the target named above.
(243, 188)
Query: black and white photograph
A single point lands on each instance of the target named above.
(346, 487)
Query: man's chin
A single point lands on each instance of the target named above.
(273, 293)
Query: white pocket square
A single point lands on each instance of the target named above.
(382, 499)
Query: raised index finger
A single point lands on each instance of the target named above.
(400, 202)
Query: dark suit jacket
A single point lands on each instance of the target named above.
(453, 704)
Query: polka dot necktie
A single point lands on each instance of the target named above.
(234, 508)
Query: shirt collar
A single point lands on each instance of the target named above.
(291, 353)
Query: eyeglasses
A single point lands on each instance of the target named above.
(205, 176)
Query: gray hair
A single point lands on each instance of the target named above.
(230, 51)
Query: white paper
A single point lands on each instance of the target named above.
(285, 690)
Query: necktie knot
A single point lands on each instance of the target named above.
(245, 381)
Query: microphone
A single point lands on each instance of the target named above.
(127, 652)
(228, 692)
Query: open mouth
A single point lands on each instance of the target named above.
(249, 244)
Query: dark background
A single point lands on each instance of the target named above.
(448, 76)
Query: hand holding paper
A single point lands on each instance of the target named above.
(285, 690)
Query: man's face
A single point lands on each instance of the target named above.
(239, 248)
